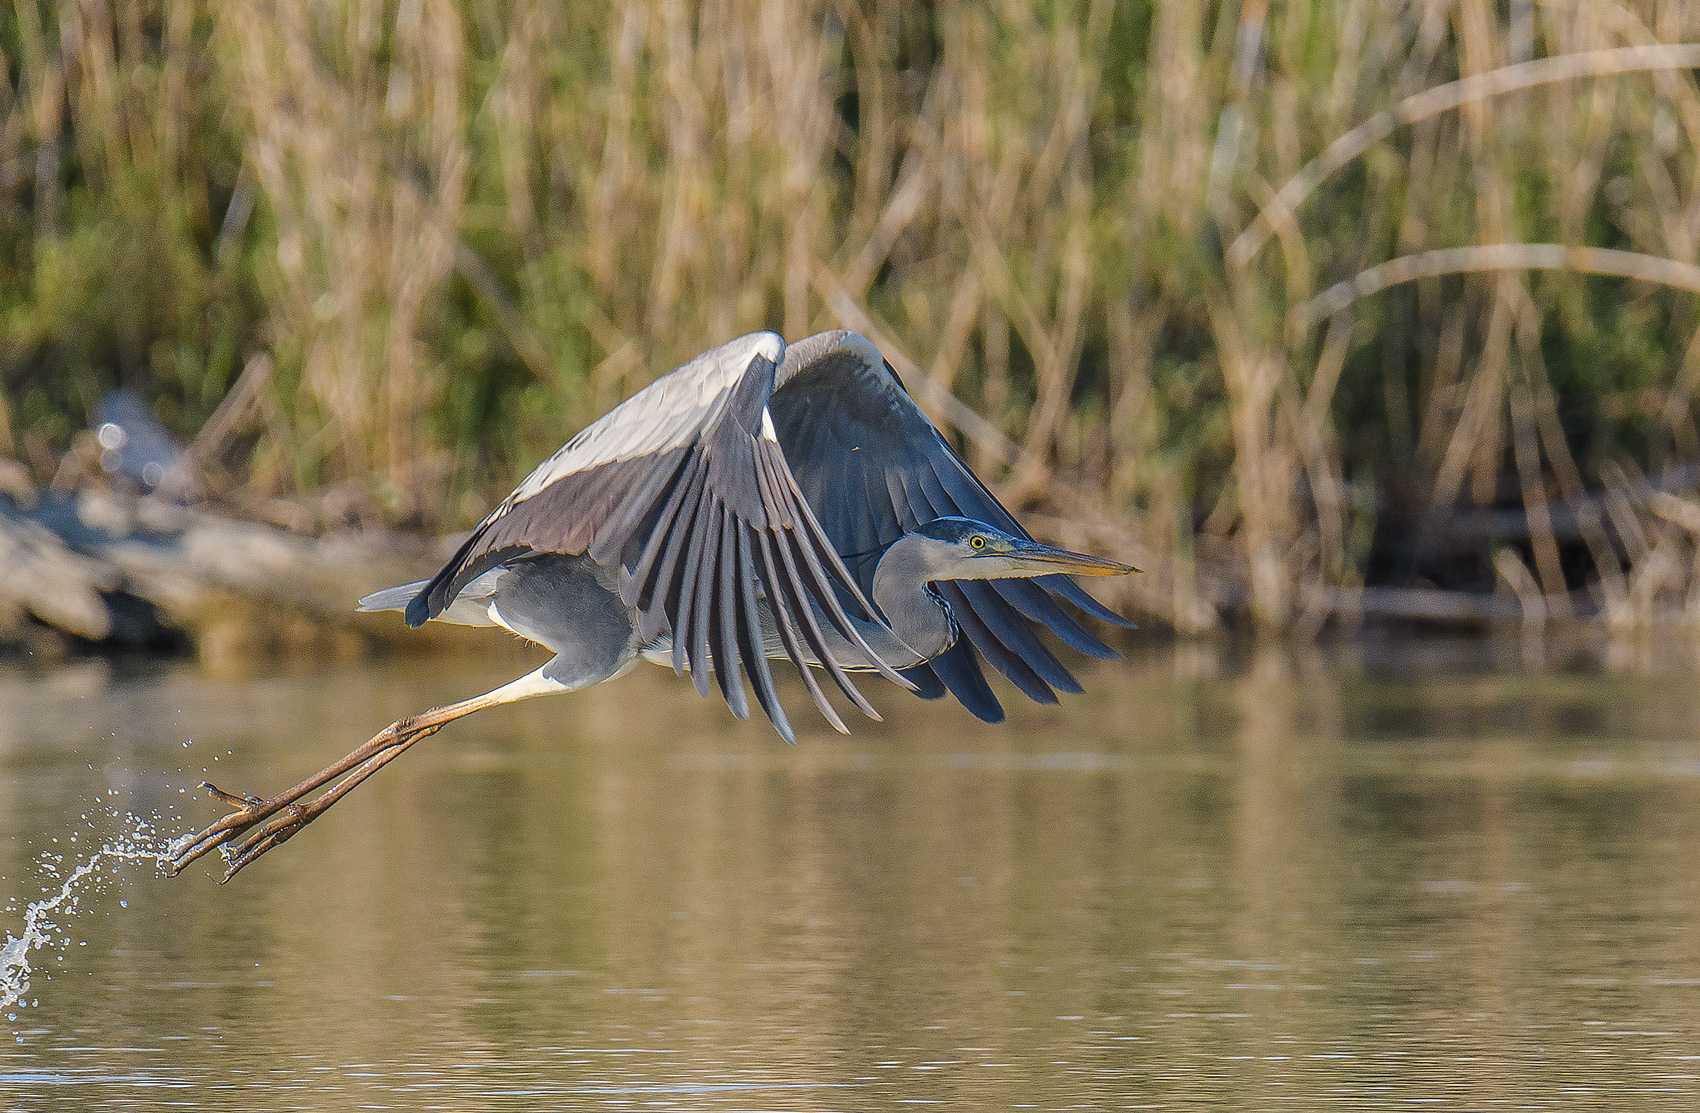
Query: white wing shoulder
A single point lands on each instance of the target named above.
(668, 414)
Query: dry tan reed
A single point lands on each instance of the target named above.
(1092, 235)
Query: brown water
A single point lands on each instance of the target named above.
(1373, 877)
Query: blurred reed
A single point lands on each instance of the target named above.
(1278, 301)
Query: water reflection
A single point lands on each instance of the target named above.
(1367, 876)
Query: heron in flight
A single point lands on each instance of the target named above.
(762, 502)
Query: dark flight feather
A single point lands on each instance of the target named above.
(849, 428)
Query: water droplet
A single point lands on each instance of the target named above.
(39, 926)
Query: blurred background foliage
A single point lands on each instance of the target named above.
(376, 259)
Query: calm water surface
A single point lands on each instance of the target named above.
(1369, 877)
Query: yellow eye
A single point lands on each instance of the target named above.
(977, 541)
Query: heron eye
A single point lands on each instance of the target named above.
(977, 541)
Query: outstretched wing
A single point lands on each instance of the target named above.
(872, 467)
(685, 486)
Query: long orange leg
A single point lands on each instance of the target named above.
(279, 818)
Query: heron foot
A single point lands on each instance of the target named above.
(250, 811)
(242, 799)
(262, 824)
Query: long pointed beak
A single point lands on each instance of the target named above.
(1048, 559)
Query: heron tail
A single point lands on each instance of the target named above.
(391, 598)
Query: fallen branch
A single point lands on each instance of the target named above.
(1412, 604)
(1444, 98)
(1496, 257)
(69, 557)
(1568, 515)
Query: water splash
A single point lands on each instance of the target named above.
(139, 840)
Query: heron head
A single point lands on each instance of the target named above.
(963, 549)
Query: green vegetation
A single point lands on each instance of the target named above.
(410, 247)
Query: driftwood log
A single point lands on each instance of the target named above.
(96, 568)
(147, 573)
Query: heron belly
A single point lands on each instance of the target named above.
(563, 603)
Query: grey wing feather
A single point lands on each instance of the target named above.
(664, 485)
(847, 424)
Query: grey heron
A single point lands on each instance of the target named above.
(760, 502)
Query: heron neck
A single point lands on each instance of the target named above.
(900, 591)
